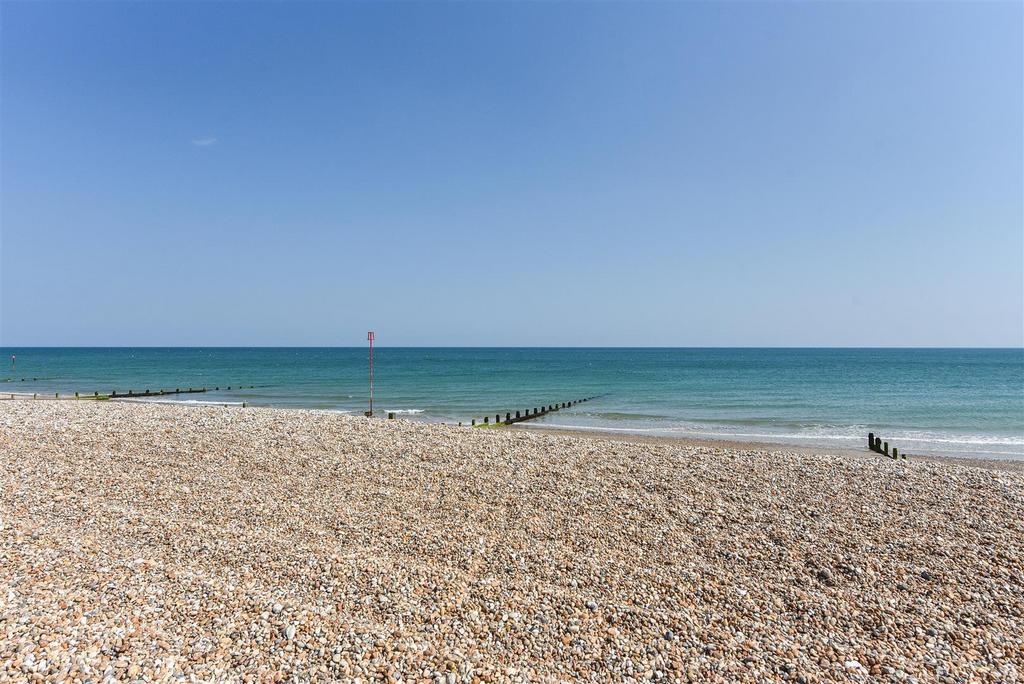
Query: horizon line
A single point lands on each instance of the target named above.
(379, 346)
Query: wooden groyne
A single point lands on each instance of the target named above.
(136, 394)
(527, 414)
(879, 447)
(165, 392)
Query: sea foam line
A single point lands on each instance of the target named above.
(186, 402)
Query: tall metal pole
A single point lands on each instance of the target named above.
(369, 337)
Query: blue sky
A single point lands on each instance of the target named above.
(512, 174)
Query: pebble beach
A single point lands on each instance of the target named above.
(145, 542)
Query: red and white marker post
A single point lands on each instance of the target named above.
(369, 337)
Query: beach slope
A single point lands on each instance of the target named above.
(148, 542)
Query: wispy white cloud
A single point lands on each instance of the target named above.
(204, 142)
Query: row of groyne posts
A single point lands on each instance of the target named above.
(526, 414)
(879, 447)
(132, 394)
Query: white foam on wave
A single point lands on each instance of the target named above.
(408, 412)
(186, 402)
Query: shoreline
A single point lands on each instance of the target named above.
(1007, 464)
(1010, 463)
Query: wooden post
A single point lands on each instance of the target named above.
(473, 422)
(391, 415)
(871, 441)
(508, 417)
(895, 453)
(486, 418)
(885, 448)
(878, 444)
(517, 415)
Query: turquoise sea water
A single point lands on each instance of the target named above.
(943, 401)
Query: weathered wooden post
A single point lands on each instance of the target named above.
(56, 395)
(517, 415)
(486, 419)
(895, 453)
(76, 395)
(871, 441)
(497, 418)
(885, 448)
(878, 444)
(391, 415)
(473, 422)
(508, 417)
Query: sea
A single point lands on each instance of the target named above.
(964, 402)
